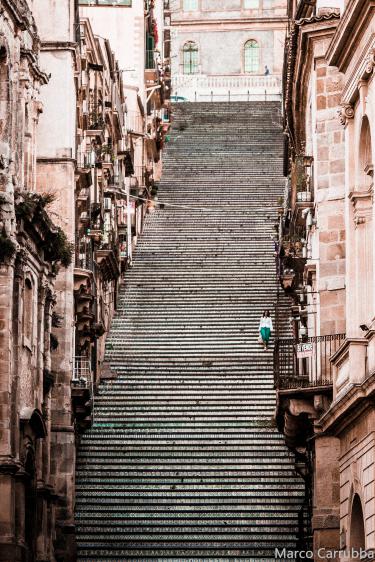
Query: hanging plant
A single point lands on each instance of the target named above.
(30, 204)
(58, 248)
(31, 207)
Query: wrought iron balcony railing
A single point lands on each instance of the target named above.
(134, 122)
(305, 363)
(82, 374)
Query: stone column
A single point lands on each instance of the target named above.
(326, 501)
(8, 464)
(56, 173)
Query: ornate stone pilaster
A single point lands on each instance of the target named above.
(362, 206)
(370, 62)
(345, 113)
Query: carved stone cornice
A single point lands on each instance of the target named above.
(9, 465)
(370, 62)
(345, 113)
(20, 13)
(354, 22)
(32, 59)
(362, 206)
(20, 263)
(361, 71)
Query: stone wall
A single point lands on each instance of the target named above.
(330, 192)
(357, 476)
(56, 173)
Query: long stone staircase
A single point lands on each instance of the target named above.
(183, 462)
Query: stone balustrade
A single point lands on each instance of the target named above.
(241, 87)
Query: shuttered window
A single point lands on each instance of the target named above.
(251, 56)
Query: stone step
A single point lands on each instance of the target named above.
(183, 462)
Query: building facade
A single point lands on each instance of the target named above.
(80, 158)
(232, 49)
(144, 64)
(324, 373)
(103, 162)
(36, 254)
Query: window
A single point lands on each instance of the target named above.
(190, 58)
(357, 526)
(4, 93)
(365, 156)
(251, 4)
(190, 5)
(251, 56)
(28, 312)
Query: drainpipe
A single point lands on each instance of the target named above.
(128, 224)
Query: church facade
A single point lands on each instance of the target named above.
(224, 51)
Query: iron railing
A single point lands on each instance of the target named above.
(138, 176)
(150, 61)
(96, 117)
(134, 122)
(82, 377)
(83, 252)
(305, 363)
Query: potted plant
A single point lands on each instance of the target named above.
(106, 152)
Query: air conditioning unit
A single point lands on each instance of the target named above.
(107, 203)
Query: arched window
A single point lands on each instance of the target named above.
(365, 156)
(4, 93)
(28, 312)
(357, 525)
(252, 56)
(190, 58)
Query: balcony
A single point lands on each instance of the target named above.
(115, 185)
(305, 364)
(96, 120)
(86, 160)
(304, 200)
(292, 259)
(82, 392)
(134, 123)
(151, 68)
(107, 258)
(304, 380)
(137, 180)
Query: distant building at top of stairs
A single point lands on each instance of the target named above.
(227, 50)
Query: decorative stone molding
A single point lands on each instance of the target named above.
(370, 62)
(346, 113)
(362, 206)
(9, 465)
(20, 264)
